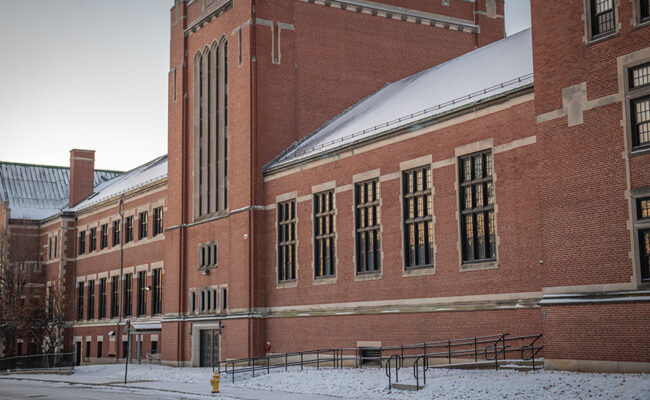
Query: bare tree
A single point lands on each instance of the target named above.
(45, 317)
(30, 312)
(12, 292)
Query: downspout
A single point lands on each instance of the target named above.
(253, 174)
(121, 281)
(74, 283)
(181, 240)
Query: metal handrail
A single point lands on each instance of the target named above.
(492, 347)
(425, 367)
(398, 363)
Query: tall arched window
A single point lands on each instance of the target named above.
(211, 129)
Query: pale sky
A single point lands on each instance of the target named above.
(92, 74)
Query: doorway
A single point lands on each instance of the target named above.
(209, 350)
(77, 347)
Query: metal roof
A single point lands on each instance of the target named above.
(487, 72)
(38, 191)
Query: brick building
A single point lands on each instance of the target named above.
(350, 173)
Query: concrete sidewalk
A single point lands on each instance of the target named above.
(173, 388)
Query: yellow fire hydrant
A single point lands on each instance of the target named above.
(215, 382)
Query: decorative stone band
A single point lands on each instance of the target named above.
(398, 13)
(595, 298)
(219, 8)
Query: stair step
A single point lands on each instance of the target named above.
(521, 367)
(404, 386)
(473, 365)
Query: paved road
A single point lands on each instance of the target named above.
(11, 390)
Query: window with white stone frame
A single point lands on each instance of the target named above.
(601, 18)
(477, 223)
(417, 202)
(208, 255)
(367, 226)
(287, 240)
(211, 129)
(642, 11)
(642, 227)
(638, 104)
(324, 234)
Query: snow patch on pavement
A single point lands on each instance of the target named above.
(373, 383)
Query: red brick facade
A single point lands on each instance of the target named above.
(566, 182)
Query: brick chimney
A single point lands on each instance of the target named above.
(82, 174)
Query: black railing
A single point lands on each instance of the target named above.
(474, 349)
(398, 365)
(416, 370)
(38, 361)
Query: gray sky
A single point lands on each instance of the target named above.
(92, 74)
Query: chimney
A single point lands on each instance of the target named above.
(82, 174)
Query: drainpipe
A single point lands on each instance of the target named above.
(74, 283)
(253, 174)
(181, 239)
(121, 283)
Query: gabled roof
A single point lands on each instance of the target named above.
(485, 73)
(152, 171)
(37, 191)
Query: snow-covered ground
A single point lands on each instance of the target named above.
(373, 384)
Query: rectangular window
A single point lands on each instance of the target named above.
(643, 208)
(92, 246)
(644, 247)
(82, 242)
(87, 350)
(157, 221)
(49, 250)
(116, 233)
(91, 299)
(56, 245)
(99, 349)
(477, 207)
(156, 303)
(128, 294)
(80, 301)
(142, 293)
(143, 225)
(154, 347)
(418, 217)
(644, 10)
(208, 255)
(224, 299)
(192, 301)
(128, 229)
(324, 234)
(602, 17)
(639, 104)
(102, 298)
(287, 241)
(115, 297)
(367, 224)
(104, 240)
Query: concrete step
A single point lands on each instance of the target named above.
(406, 386)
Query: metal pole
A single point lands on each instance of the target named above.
(139, 348)
(126, 361)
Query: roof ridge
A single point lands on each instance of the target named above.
(52, 166)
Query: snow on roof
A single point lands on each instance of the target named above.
(488, 71)
(147, 173)
(37, 191)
